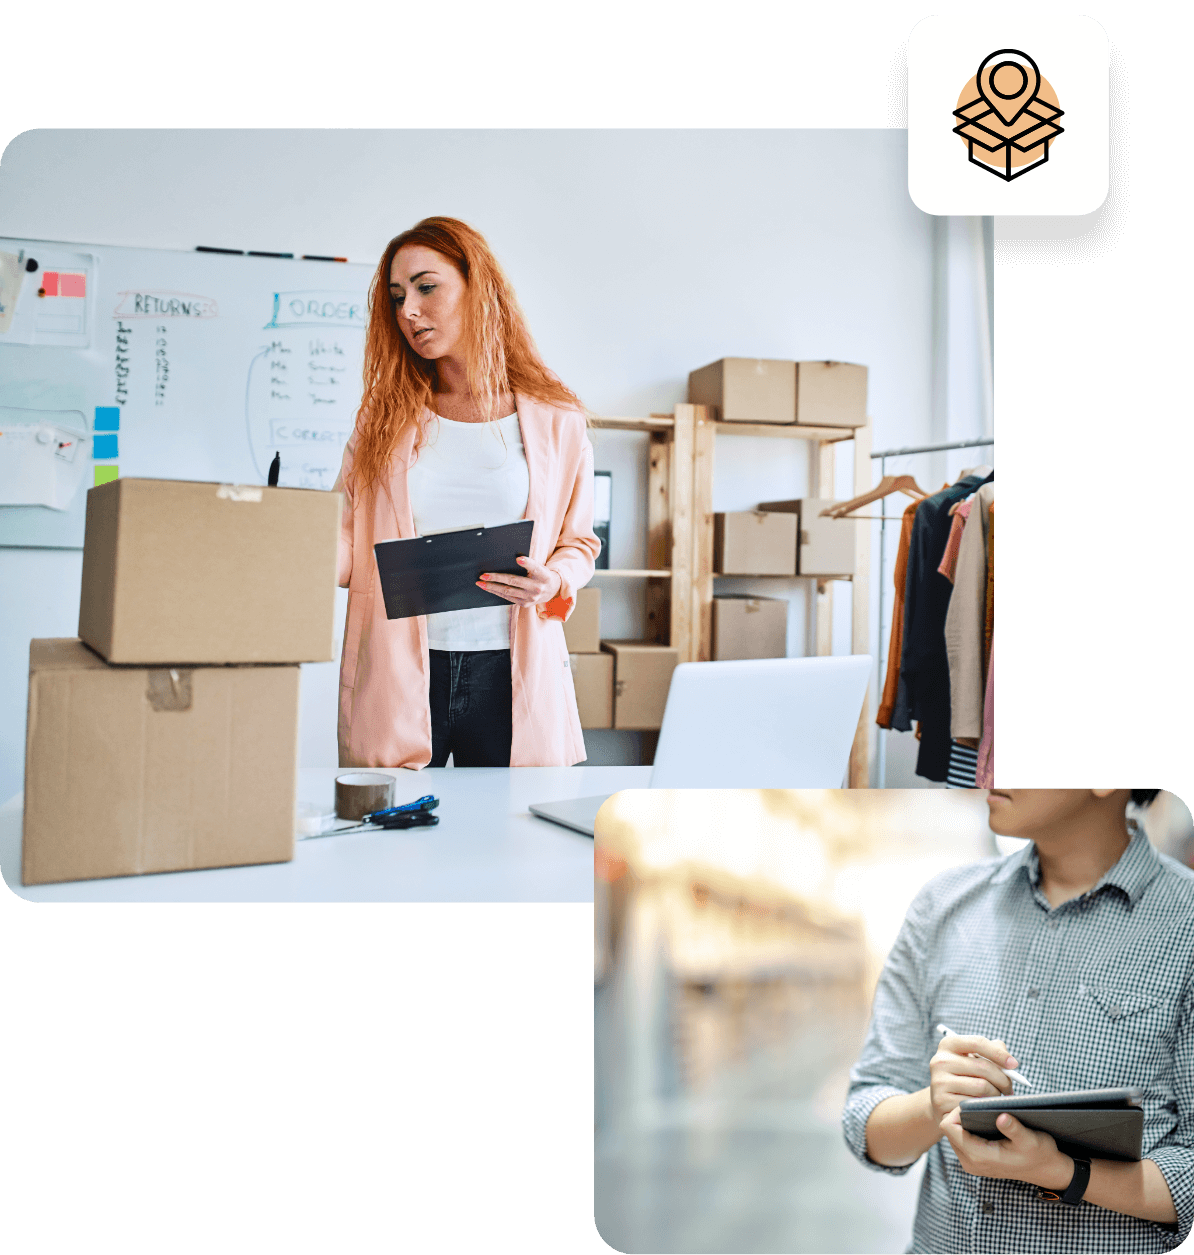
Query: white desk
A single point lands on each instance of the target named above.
(487, 847)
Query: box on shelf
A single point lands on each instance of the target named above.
(830, 394)
(749, 627)
(825, 545)
(754, 542)
(142, 769)
(582, 630)
(182, 572)
(642, 676)
(593, 679)
(746, 389)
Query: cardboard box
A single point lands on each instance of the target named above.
(582, 630)
(180, 572)
(754, 542)
(642, 676)
(830, 394)
(746, 389)
(749, 627)
(137, 769)
(593, 678)
(825, 546)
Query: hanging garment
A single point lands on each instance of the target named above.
(949, 560)
(891, 683)
(984, 776)
(924, 668)
(963, 765)
(989, 629)
(965, 624)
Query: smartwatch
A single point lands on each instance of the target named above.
(1074, 1191)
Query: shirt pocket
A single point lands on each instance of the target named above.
(1124, 1013)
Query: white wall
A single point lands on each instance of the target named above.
(637, 256)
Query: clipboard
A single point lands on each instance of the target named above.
(435, 574)
(1089, 1123)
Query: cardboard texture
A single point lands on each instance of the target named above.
(582, 629)
(749, 627)
(133, 769)
(752, 542)
(830, 394)
(824, 546)
(191, 573)
(593, 678)
(642, 676)
(746, 389)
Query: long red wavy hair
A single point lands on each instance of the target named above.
(500, 355)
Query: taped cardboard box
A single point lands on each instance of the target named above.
(749, 627)
(182, 572)
(593, 679)
(642, 677)
(134, 769)
(754, 542)
(582, 630)
(830, 394)
(746, 389)
(825, 546)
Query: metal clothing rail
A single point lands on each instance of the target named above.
(882, 455)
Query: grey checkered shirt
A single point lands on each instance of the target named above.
(1098, 992)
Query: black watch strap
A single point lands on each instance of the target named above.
(1074, 1191)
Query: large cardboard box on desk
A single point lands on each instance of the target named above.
(593, 679)
(181, 572)
(752, 542)
(830, 394)
(642, 676)
(746, 389)
(145, 769)
(582, 629)
(825, 546)
(749, 627)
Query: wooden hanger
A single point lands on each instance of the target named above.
(885, 487)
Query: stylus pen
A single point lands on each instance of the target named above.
(1013, 1074)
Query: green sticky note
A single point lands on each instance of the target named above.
(105, 474)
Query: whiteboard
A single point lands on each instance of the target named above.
(174, 365)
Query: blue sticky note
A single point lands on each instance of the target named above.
(107, 418)
(104, 447)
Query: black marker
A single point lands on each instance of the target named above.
(318, 257)
(257, 253)
(203, 248)
(275, 469)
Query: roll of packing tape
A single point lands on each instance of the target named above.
(360, 792)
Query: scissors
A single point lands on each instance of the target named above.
(415, 814)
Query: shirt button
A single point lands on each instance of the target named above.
(1034, 993)
(988, 1209)
(1052, 923)
(1114, 1011)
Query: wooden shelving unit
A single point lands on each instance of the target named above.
(679, 571)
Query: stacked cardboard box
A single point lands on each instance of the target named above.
(824, 546)
(642, 676)
(760, 390)
(166, 738)
(592, 670)
(749, 627)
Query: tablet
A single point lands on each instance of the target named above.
(434, 574)
(1090, 1123)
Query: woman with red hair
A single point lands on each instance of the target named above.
(461, 425)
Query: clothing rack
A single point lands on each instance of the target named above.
(882, 455)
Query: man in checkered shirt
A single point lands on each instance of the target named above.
(1073, 961)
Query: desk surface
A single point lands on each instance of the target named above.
(487, 847)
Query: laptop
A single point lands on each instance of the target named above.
(755, 723)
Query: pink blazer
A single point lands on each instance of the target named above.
(385, 714)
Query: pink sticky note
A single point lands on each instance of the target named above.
(49, 281)
(72, 285)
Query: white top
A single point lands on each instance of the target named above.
(469, 475)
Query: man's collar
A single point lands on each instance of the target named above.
(1136, 869)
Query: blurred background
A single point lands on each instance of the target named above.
(739, 936)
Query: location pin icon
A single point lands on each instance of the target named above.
(1008, 80)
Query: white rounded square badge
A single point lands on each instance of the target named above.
(1008, 115)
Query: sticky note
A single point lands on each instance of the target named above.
(105, 475)
(107, 418)
(104, 447)
(72, 284)
(49, 281)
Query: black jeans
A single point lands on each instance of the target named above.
(471, 701)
